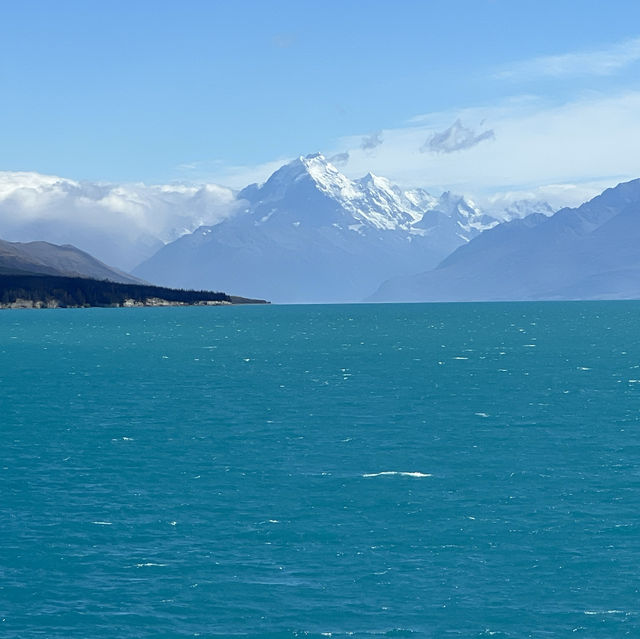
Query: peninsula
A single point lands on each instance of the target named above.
(19, 290)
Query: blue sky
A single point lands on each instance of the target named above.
(423, 92)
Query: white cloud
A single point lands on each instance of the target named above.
(589, 141)
(235, 176)
(558, 194)
(601, 62)
(564, 153)
(119, 224)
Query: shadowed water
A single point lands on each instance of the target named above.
(401, 470)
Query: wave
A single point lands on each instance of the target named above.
(398, 472)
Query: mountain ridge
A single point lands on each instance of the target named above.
(46, 258)
(587, 252)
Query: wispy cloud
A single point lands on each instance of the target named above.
(340, 159)
(457, 137)
(588, 141)
(601, 62)
(370, 142)
(563, 152)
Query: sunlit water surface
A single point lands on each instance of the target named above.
(463, 470)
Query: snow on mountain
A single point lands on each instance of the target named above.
(461, 215)
(372, 200)
(590, 252)
(310, 234)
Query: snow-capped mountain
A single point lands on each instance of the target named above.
(590, 252)
(310, 234)
(372, 201)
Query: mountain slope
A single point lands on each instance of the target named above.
(310, 234)
(591, 252)
(50, 259)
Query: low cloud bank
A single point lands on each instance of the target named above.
(119, 224)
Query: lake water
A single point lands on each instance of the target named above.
(445, 470)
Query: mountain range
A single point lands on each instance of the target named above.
(310, 234)
(590, 252)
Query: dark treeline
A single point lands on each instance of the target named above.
(77, 291)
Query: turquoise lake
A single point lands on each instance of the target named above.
(428, 470)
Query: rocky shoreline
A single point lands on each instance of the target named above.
(128, 303)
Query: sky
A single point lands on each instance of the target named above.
(492, 98)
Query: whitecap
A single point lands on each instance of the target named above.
(397, 472)
(605, 612)
(102, 523)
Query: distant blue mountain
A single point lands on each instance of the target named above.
(590, 252)
(44, 258)
(310, 234)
